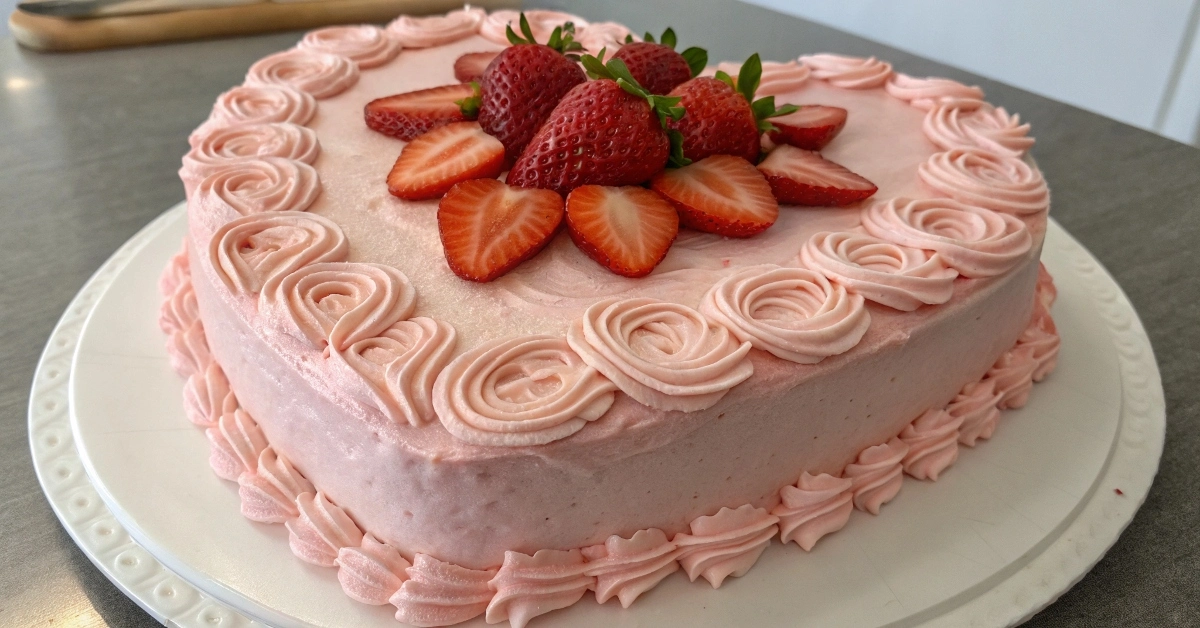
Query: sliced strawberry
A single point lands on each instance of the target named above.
(487, 227)
(801, 177)
(720, 194)
(405, 116)
(810, 128)
(470, 66)
(628, 230)
(432, 163)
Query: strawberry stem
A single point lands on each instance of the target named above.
(469, 106)
(746, 84)
(665, 107)
(562, 38)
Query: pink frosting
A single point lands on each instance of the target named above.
(725, 544)
(175, 274)
(877, 475)
(371, 573)
(528, 390)
(319, 74)
(222, 146)
(207, 396)
(627, 568)
(599, 36)
(368, 46)
(320, 530)
(976, 406)
(1045, 292)
(665, 355)
(269, 493)
(528, 586)
(436, 30)
(927, 93)
(897, 276)
(541, 22)
(253, 254)
(441, 594)
(987, 127)
(258, 104)
(187, 350)
(817, 505)
(1013, 376)
(974, 241)
(777, 78)
(979, 177)
(932, 440)
(339, 303)
(848, 72)
(395, 370)
(794, 313)
(179, 310)
(1042, 337)
(236, 441)
(267, 184)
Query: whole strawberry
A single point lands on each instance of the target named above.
(723, 118)
(656, 66)
(521, 86)
(609, 131)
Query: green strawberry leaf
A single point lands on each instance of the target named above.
(526, 30)
(668, 38)
(664, 107)
(649, 37)
(725, 78)
(764, 109)
(469, 106)
(676, 160)
(696, 59)
(513, 37)
(629, 38)
(749, 76)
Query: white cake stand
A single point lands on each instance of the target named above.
(1008, 529)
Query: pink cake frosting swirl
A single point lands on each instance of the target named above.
(321, 530)
(627, 568)
(848, 72)
(725, 544)
(974, 241)
(372, 572)
(207, 396)
(437, 593)
(180, 310)
(975, 404)
(1042, 337)
(528, 586)
(877, 475)
(395, 370)
(927, 93)
(242, 142)
(1045, 292)
(541, 22)
(176, 273)
(319, 74)
(366, 45)
(269, 493)
(608, 36)
(1013, 376)
(236, 442)
(777, 78)
(514, 392)
(258, 104)
(817, 505)
(932, 440)
(987, 127)
(986, 179)
(187, 350)
(267, 184)
(253, 254)
(339, 303)
(794, 313)
(436, 30)
(899, 277)
(665, 355)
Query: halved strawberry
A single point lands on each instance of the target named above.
(470, 66)
(801, 177)
(405, 116)
(488, 227)
(432, 163)
(720, 194)
(628, 230)
(810, 128)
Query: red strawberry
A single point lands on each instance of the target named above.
(470, 66)
(628, 230)
(810, 128)
(405, 116)
(487, 227)
(718, 121)
(432, 163)
(522, 85)
(720, 194)
(656, 66)
(801, 177)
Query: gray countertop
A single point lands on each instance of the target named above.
(89, 148)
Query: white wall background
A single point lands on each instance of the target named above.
(1135, 61)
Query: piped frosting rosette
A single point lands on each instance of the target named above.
(527, 586)
(541, 22)
(664, 355)
(266, 184)
(932, 440)
(897, 276)
(726, 544)
(778, 78)
(528, 390)
(254, 253)
(927, 93)
(817, 505)
(608, 36)
(366, 45)
(796, 314)
(372, 572)
(317, 73)
(258, 104)
(974, 241)
(223, 146)
(987, 127)
(268, 495)
(986, 179)
(437, 593)
(848, 72)
(626, 568)
(436, 30)
(321, 530)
